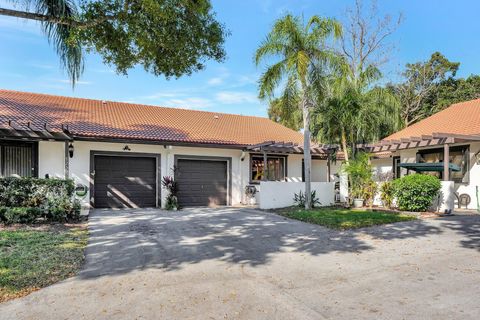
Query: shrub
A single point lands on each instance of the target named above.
(299, 199)
(386, 194)
(20, 214)
(360, 177)
(369, 192)
(171, 201)
(416, 192)
(53, 198)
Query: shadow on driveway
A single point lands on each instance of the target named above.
(125, 240)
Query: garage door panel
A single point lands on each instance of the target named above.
(202, 182)
(125, 181)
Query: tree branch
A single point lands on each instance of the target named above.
(56, 20)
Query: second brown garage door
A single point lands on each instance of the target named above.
(125, 182)
(201, 182)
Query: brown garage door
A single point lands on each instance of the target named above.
(201, 182)
(124, 182)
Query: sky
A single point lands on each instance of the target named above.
(29, 63)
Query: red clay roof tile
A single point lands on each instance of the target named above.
(459, 118)
(116, 120)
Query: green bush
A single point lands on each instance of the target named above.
(20, 214)
(360, 177)
(387, 194)
(416, 192)
(53, 198)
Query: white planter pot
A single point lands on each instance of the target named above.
(357, 203)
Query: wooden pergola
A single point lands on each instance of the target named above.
(29, 131)
(435, 139)
(321, 152)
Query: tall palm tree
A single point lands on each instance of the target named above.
(300, 52)
(355, 111)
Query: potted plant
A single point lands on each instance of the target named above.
(360, 178)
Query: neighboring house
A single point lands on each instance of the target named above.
(120, 151)
(422, 147)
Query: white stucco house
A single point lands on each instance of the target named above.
(447, 144)
(121, 151)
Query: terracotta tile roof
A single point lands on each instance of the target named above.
(111, 120)
(459, 118)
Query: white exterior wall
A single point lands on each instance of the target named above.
(52, 156)
(294, 165)
(51, 159)
(281, 194)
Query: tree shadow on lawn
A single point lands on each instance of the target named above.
(124, 241)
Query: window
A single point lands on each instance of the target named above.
(18, 159)
(459, 155)
(275, 168)
(396, 167)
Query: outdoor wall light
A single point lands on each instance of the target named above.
(126, 148)
(70, 150)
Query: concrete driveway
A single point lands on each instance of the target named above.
(244, 264)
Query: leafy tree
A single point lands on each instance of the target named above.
(422, 80)
(451, 91)
(166, 37)
(302, 54)
(285, 113)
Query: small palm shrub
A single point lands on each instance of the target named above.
(171, 201)
(386, 194)
(360, 177)
(416, 192)
(299, 199)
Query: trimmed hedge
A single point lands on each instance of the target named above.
(24, 200)
(416, 192)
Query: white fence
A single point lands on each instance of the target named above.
(280, 194)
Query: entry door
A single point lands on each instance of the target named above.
(202, 182)
(125, 182)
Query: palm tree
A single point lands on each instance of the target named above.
(301, 53)
(354, 111)
(55, 17)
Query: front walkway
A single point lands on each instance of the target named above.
(244, 264)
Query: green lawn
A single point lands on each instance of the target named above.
(32, 258)
(342, 218)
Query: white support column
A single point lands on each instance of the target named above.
(446, 162)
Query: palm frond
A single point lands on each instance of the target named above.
(61, 36)
(270, 79)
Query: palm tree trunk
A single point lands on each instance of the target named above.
(344, 145)
(306, 155)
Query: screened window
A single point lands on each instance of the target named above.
(396, 168)
(458, 155)
(17, 159)
(275, 168)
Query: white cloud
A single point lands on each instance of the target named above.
(80, 82)
(215, 81)
(234, 97)
(161, 95)
(43, 66)
(189, 103)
